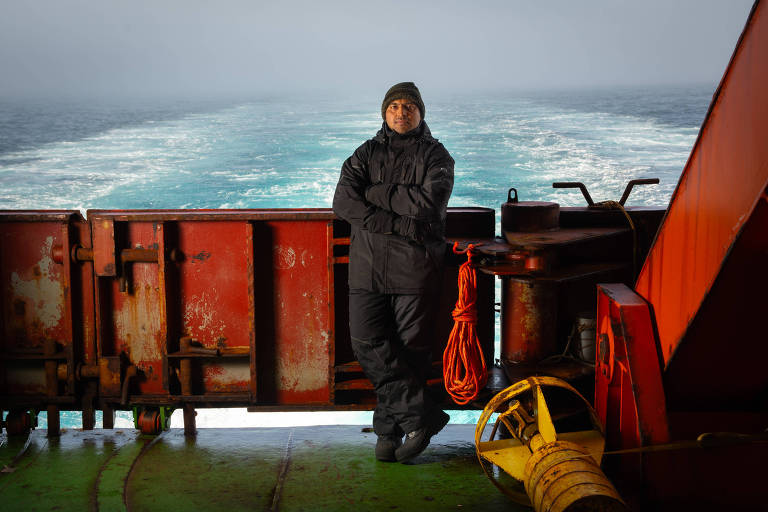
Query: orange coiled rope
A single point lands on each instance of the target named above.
(464, 369)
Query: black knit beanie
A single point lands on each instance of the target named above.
(403, 91)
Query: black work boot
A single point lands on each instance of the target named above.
(418, 440)
(386, 446)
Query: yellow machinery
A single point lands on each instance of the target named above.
(560, 471)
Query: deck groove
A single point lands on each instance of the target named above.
(148, 443)
(285, 464)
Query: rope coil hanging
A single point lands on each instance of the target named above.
(464, 371)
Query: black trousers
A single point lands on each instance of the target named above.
(391, 340)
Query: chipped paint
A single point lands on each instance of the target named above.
(138, 323)
(40, 299)
(306, 258)
(200, 318)
(285, 257)
(201, 257)
(305, 366)
(227, 375)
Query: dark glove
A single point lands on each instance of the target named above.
(378, 194)
(380, 221)
(413, 229)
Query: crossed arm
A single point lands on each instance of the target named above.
(392, 208)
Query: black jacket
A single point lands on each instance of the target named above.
(394, 191)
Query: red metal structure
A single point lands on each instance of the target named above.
(684, 354)
(47, 309)
(188, 308)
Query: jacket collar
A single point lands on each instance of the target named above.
(421, 133)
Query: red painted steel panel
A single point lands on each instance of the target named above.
(84, 300)
(40, 302)
(255, 290)
(721, 361)
(302, 319)
(213, 290)
(136, 317)
(629, 394)
(213, 283)
(104, 257)
(251, 315)
(723, 179)
(251, 289)
(33, 285)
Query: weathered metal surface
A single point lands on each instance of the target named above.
(723, 181)
(104, 253)
(301, 311)
(288, 214)
(528, 321)
(629, 394)
(561, 237)
(153, 308)
(563, 476)
(213, 293)
(548, 279)
(209, 292)
(34, 286)
(149, 422)
(558, 468)
(631, 397)
(110, 383)
(46, 323)
(133, 322)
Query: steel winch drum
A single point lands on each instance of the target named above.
(528, 216)
(563, 477)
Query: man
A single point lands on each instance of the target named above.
(394, 191)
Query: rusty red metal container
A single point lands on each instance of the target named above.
(161, 309)
(528, 322)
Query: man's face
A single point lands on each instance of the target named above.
(402, 116)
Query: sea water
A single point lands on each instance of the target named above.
(285, 152)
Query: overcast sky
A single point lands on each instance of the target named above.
(206, 47)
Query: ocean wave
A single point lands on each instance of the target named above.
(202, 158)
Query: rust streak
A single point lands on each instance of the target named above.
(139, 323)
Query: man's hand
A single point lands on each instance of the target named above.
(413, 228)
(379, 194)
(380, 221)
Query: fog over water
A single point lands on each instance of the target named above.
(194, 47)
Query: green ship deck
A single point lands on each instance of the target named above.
(287, 469)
